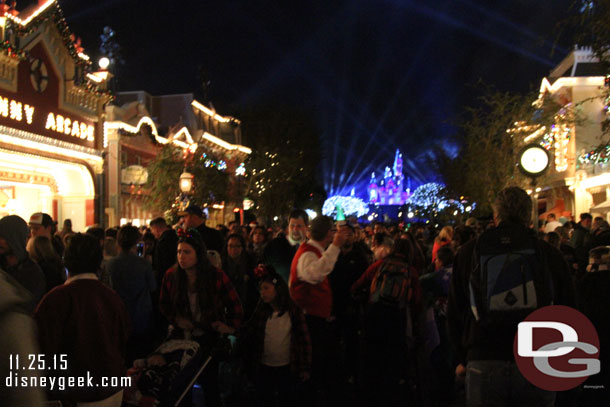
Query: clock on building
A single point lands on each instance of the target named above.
(533, 160)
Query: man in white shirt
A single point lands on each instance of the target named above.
(551, 223)
(310, 290)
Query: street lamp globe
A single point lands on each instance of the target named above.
(186, 182)
(104, 63)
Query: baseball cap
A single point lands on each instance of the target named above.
(192, 210)
(40, 218)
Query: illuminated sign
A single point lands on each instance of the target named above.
(69, 127)
(24, 115)
(16, 110)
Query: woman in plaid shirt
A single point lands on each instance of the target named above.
(200, 302)
(275, 342)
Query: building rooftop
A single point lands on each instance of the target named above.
(581, 61)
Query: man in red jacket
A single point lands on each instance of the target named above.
(310, 290)
(85, 323)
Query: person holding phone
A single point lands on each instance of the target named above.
(140, 249)
(133, 279)
(310, 290)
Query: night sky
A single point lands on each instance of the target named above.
(378, 74)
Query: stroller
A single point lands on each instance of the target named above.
(165, 377)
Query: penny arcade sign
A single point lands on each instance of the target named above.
(22, 113)
(41, 104)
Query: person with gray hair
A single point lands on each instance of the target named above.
(514, 205)
(280, 251)
(485, 304)
(310, 289)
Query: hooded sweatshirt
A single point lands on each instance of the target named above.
(15, 231)
(17, 338)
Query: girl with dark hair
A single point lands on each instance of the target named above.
(200, 302)
(238, 266)
(258, 242)
(275, 341)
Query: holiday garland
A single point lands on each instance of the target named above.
(599, 155)
(151, 136)
(55, 15)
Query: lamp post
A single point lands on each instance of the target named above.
(534, 160)
(186, 187)
(186, 182)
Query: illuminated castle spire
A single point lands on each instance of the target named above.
(398, 176)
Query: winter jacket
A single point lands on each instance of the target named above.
(471, 340)
(26, 272)
(18, 338)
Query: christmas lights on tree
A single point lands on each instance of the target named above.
(210, 162)
(241, 170)
(350, 205)
(430, 199)
(430, 196)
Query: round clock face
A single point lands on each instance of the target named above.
(534, 160)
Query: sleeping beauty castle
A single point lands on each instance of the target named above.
(391, 189)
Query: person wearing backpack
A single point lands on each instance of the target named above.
(393, 303)
(523, 274)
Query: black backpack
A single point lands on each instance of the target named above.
(513, 278)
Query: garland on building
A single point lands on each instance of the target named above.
(211, 162)
(241, 170)
(599, 155)
(54, 14)
(13, 52)
(145, 129)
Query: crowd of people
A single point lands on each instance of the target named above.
(317, 313)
